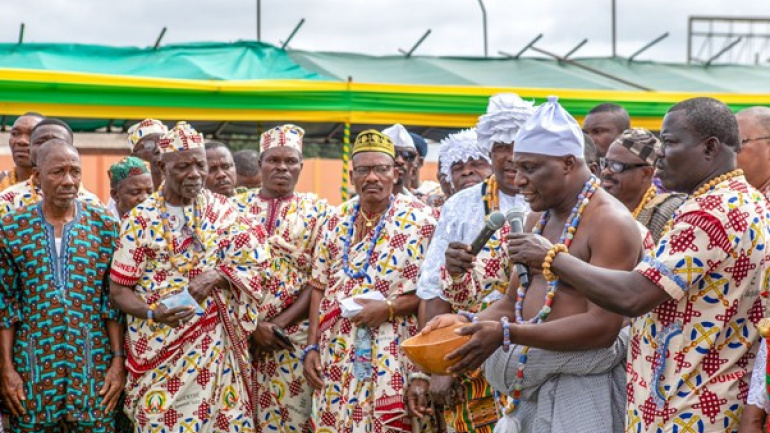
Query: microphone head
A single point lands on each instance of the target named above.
(517, 213)
(495, 220)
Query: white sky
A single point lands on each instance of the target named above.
(373, 26)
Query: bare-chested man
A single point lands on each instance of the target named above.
(574, 381)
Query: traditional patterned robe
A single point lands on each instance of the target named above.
(24, 193)
(658, 211)
(689, 359)
(196, 376)
(58, 302)
(283, 396)
(376, 404)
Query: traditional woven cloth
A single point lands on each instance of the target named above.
(197, 376)
(59, 306)
(690, 358)
(182, 137)
(347, 404)
(565, 392)
(282, 136)
(282, 395)
(658, 211)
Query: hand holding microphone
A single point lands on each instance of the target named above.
(459, 256)
(515, 218)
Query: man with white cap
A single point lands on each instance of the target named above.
(406, 157)
(188, 273)
(293, 221)
(463, 161)
(698, 296)
(452, 279)
(576, 382)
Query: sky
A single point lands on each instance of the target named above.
(377, 27)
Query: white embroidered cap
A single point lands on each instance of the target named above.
(460, 147)
(506, 113)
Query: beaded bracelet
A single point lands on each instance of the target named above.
(419, 376)
(549, 257)
(506, 333)
(468, 315)
(307, 350)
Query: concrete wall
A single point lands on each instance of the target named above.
(322, 176)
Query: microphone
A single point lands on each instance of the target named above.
(495, 220)
(515, 219)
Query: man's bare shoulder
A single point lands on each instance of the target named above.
(611, 222)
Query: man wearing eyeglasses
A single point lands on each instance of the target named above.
(628, 171)
(754, 159)
(373, 244)
(754, 156)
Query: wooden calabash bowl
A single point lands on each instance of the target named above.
(428, 351)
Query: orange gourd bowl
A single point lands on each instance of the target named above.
(428, 351)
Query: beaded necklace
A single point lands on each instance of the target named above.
(706, 187)
(361, 273)
(649, 195)
(567, 235)
(491, 195)
(168, 236)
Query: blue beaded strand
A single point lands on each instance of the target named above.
(361, 273)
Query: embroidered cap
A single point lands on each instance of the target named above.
(143, 129)
(182, 137)
(282, 136)
(125, 168)
(372, 140)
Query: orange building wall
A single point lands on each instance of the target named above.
(321, 176)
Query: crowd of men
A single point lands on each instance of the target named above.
(209, 295)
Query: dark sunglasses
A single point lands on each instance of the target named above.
(407, 155)
(620, 167)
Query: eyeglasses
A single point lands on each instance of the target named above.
(746, 140)
(379, 170)
(620, 167)
(407, 155)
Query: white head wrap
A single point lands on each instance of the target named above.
(399, 136)
(506, 113)
(460, 147)
(551, 131)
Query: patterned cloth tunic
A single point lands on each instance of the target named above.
(689, 359)
(58, 302)
(197, 376)
(283, 396)
(24, 193)
(375, 404)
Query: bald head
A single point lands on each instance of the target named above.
(754, 154)
(52, 146)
